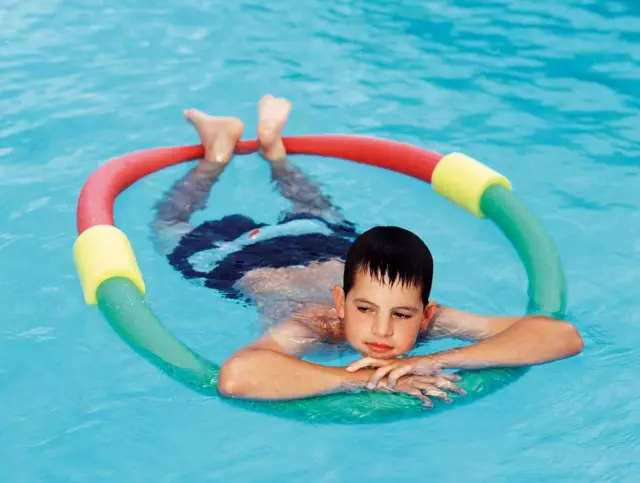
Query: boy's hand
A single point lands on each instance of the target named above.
(396, 368)
(424, 387)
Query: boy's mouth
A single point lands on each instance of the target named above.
(379, 348)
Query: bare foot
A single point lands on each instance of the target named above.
(218, 135)
(272, 117)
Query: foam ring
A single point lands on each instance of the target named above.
(120, 298)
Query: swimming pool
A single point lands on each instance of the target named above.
(547, 95)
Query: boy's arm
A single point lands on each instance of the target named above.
(269, 369)
(503, 341)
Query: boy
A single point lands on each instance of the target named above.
(377, 301)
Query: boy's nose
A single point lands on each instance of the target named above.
(382, 326)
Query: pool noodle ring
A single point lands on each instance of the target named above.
(110, 276)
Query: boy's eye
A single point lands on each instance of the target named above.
(402, 316)
(363, 309)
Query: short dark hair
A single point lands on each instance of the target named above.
(391, 252)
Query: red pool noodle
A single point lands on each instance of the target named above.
(95, 206)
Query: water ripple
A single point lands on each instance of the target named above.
(546, 92)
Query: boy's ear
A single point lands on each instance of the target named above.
(339, 300)
(429, 312)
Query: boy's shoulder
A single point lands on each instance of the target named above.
(322, 321)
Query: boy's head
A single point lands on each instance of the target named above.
(384, 300)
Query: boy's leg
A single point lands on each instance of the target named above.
(292, 183)
(219, 136)
(279, 293)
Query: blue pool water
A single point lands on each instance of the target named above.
(546, 93)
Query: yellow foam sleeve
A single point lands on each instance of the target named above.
(463, 180)
(103, 252)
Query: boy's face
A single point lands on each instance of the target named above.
(382, 320)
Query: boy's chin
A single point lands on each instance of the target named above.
(375, 355)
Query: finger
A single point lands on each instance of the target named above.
(425, 400)
(396, 374)
(450, 386)
(383, 386)
(433, 391)
(424, 380)
(451, 377)
(378, 375)
(362, 363)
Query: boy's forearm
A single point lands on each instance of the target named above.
(268, 375)
(531, 341)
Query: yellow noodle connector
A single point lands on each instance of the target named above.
(103, 252)
(463, 180)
